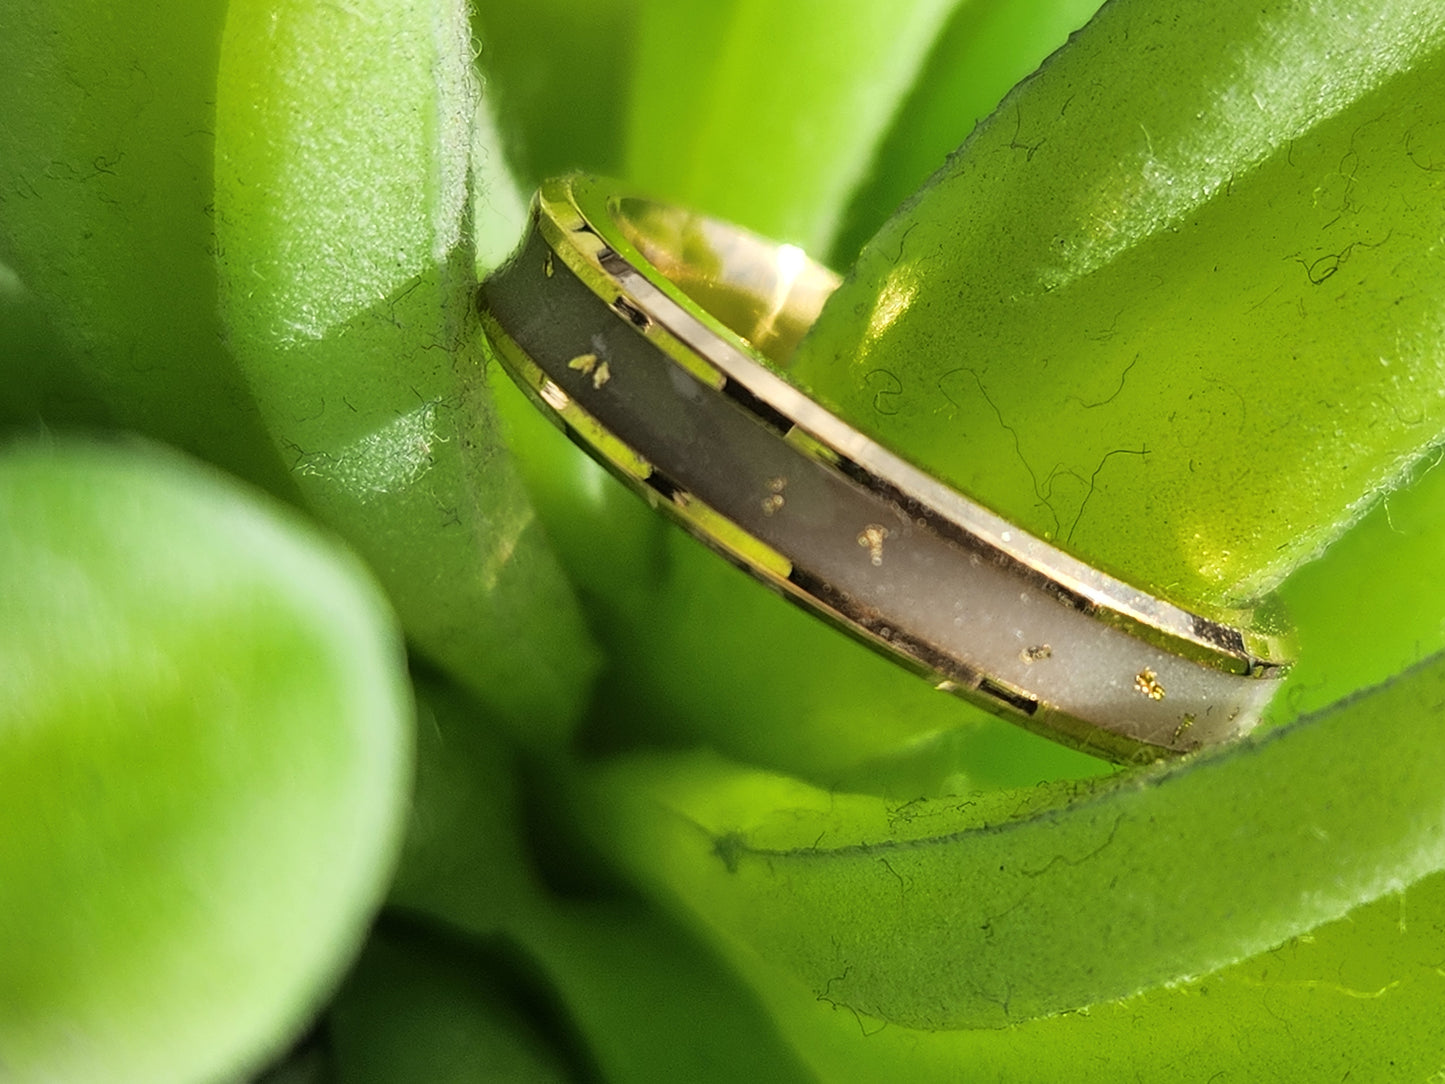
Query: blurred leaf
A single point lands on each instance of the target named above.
(105, 217)
(656, 1004)
(416, 1009)
(1176, 304)
(311, 1064)
(345, 143)
(204, 752)
(558, 71)
(650, 1002)
(767, 113)
(464, 860)
(39, 379)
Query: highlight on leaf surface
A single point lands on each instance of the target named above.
(1175, 305)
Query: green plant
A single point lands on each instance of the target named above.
(250, 230)
(205, 742)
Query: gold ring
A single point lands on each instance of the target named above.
(659, 340)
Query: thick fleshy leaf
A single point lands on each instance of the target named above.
(986, 47)
(768, 113)
(464, 860)
(205, 733)
(558, 73)
(41, 384)
(1357, 999)
(344, 142)
(650, 1001)
(106, 225)
(419, 1008)
(984, 911)
(1373, 605)
(1177, 304)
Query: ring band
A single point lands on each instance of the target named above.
(655, 337)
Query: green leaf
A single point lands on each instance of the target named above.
(419, 1008)
(558, 72)
(1357, 999)
(1175, 305)
(765, 113)
(106, 221)
(40, 379)
(986, 47)
(204, 760)
(1392, 559)
(344, 149)
(984, 911)
(464, 860)
(656, 1003)
(651, 1002)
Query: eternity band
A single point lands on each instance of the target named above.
(657, 339)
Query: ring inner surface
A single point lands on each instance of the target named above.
(769, 294)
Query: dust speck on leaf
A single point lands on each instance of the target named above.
(730, 848)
